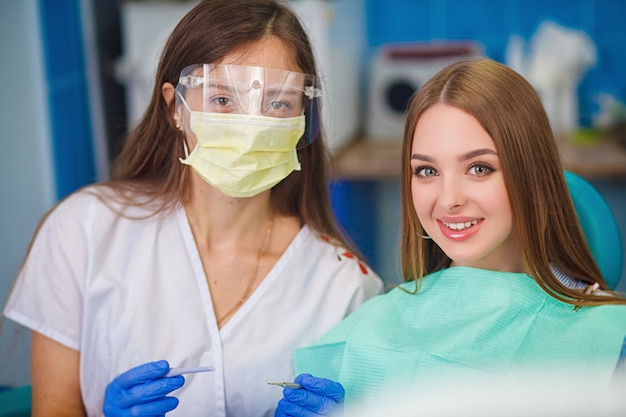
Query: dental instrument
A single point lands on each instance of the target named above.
(291, 385)
(180, 371)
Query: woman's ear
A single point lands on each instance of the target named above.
(168, 91)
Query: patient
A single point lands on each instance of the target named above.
(500, 279)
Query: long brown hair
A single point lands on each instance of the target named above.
(148, 162)
(545, 220)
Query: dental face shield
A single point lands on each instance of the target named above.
(250, 90)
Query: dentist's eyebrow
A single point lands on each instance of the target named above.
(477, 152)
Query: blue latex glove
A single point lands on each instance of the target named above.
(141, 391)
(317, 397)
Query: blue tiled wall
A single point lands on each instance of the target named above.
(68, 101)
(492, 22)
(354, 205)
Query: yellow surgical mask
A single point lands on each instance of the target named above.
(242, 154)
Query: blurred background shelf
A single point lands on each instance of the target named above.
(603, 160)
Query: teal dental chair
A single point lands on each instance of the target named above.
(599, 226)
(15, 402)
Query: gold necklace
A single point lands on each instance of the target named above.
(255, 269)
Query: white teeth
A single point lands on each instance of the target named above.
(460, 226)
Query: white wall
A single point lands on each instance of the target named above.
(26, 173)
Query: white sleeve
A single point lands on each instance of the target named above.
(47, 296)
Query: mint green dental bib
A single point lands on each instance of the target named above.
(464, 322)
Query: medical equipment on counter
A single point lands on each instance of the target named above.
(554, 62)
(396, 72)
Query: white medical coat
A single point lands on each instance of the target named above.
(127, 291)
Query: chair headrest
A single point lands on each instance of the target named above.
(599, 226)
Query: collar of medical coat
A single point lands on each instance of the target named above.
(243, 89)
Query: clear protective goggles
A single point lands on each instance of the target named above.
(258, 91)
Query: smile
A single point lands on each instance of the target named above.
(460, 231)
(460, 226)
